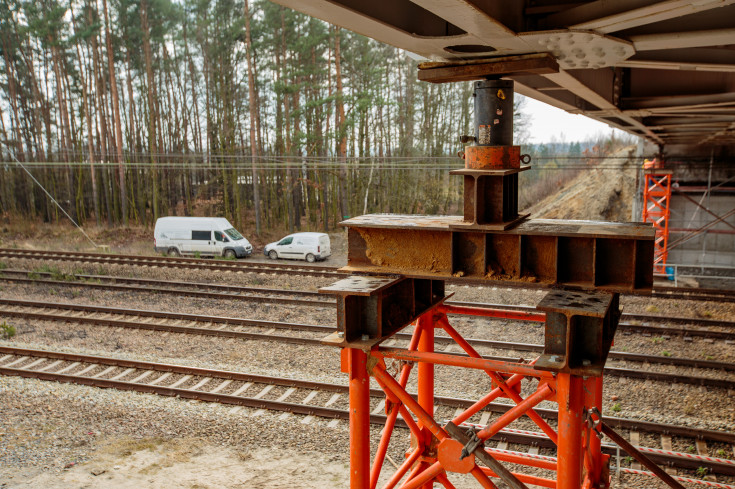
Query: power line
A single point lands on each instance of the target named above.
(52, 199)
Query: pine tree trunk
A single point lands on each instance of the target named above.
(116, 118)
(152, 147)
(252, 102)
(342, 130)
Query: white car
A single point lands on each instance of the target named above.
(203, 236)
(300, 246)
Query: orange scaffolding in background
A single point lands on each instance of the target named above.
(656, 210)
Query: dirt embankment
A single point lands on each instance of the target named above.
(603, 193)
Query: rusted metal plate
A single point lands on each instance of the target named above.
(499, 172)
(578, 332)
(593, 304)
(359, 285)
(616, 257)
(551, 227)
(479, 70)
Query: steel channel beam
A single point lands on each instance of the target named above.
(616, 257)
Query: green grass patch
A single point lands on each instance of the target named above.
(6, 330)
(54, 273)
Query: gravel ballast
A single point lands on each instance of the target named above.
(48, 426)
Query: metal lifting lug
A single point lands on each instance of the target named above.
(592, 423)
(471, 445)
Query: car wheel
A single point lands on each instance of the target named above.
(230, 254)
(173, 252)
(310, 258)
(272, 254)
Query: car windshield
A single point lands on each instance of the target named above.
(234, 234)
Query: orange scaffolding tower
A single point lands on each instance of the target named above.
(656, 210)
(399, 265)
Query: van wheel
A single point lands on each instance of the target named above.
(272, 254)
(310, 258)
(173, 252)
(230, 254)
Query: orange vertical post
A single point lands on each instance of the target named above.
(571, 422)
(359, 419)
(593, 399)
(656, 199)
(425, 377)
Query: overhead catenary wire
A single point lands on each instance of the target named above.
(12, 154)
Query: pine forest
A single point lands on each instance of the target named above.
(125, 111)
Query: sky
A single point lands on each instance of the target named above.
(548, 122)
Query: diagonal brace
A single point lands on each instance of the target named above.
(479, 451)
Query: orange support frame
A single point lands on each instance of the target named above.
(656, 200)
(433, 454)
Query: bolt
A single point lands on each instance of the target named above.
(555, 358)
(341, 334)
(365, 337)
(586, 363)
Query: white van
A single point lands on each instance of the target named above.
(300, 246)
(203, 236)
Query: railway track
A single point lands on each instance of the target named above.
(640, 323)
(229, 327)
(175, 262)
(186, 289)
(329, 401)
(664, 292)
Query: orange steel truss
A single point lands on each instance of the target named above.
(656, 199)
(439, 449)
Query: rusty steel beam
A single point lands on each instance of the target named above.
(617, 257)
(453, 71)
(370, 309)
(578, 332)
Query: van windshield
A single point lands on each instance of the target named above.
(234, 234)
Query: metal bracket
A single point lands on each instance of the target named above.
(579, 330)
(372, 308)
(471, 445)
(592, 423)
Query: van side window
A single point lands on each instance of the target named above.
(285, 241)
(219, 236)
(201, 235)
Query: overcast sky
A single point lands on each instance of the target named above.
(547, 122)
